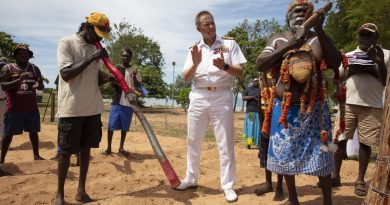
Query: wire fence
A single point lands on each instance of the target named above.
(166, 118)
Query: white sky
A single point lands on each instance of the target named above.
(41, 23)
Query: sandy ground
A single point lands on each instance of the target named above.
(139, 179)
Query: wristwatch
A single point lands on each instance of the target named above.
(226, 66)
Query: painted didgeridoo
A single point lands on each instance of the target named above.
(310, 22)
(164, 162)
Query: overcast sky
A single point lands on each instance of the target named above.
(41, 23)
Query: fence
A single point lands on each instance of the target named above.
(165, 119)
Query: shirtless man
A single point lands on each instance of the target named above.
(295, 146)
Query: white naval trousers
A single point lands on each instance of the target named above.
(215, 107)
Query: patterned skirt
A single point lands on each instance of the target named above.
(296, 150)
(251, 128)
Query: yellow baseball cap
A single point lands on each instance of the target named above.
(101, 24)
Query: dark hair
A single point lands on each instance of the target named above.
(128, 51)
(197, 18)
(30, 53)
(84, 25)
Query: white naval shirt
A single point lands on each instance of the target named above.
(207, 75)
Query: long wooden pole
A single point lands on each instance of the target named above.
(379, 191)
(164, 162)
(47, 104)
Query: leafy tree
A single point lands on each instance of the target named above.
(181, 90)
(182, 99)
(180, 83)
(153, 82)
(348, 15)
(7, 44)
(147, 57)
(252, 39)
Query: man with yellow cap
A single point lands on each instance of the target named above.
(300, 126)
(80, 102)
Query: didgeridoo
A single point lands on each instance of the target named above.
(309, 23)
(164, 162)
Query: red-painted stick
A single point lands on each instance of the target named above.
(164, 162)
(117, 74)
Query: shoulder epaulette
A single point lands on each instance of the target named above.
(227, 38)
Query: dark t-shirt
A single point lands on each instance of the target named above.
(252, 105)
(22, 98)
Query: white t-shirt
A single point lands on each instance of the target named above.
(362, 88)
(207, 75)
(81, 95)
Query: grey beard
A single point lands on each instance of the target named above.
(293, 28)
(292, 24)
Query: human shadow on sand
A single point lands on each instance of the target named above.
(72, 175)
(336, 199)
(125, 168)
(309, 189)
(306, 190)
(250, 190)
(27, 146)
(139, 157)
(115, 159)
(133, 156)
(166, 192)
(10, 169)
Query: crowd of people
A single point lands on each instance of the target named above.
(293, 130)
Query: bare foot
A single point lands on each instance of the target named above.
(83, 197)
(360, 188)
(55, 157)
(37, 157)
(279, 195)
(263, 190)
(291, 203)
(123, 152)
(59, 200)
(107, 152)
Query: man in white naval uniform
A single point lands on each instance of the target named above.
(211, 64)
